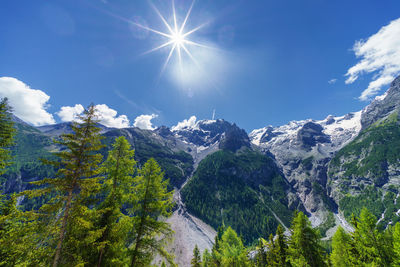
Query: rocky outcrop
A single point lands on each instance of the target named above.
(383, 105)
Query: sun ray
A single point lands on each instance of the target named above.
(195, 29)
(187, 17)
(158, 47)
(168, 58)
(199, 45)
(150, 29)
(163, 19)
(174, 14)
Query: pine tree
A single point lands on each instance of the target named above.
(117, 187)
(233, 252)
(341, 249)
(154, 201)
(75, 184)
(196, 260)
(279, 252)
(207, 259)
(396, 243)
(261, 256)
(215, 254)
(304, 245)
(373, 247)
(7, 132)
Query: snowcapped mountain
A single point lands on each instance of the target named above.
(303, 149)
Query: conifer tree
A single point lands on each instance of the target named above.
(154, 201)
(76, 182)
(117, 189)
(373, 246)
(207, 259)
(215, 255)
(17, 235)
(233, 252)
(261, 257)
(304, 245)
(196, 260)
(396, 244)
(341, 249)
(280, 248)
(7, 132)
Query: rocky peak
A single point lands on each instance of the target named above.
(204, 132)
(234, 139)
(382, 106)
(311, 134)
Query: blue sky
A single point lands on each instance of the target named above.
(270, 61)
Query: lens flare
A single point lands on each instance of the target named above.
(177, 37)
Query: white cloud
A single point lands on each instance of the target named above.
(28, 104)
(379, 54)
(185, 123)
(67, 113)
(332, 81)
(107, 116)
(144, 122)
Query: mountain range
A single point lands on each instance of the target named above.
(327, 168)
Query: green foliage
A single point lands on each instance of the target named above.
(117, 187)
(240, 190)
(277, 254)
(396, 244)
(207, 259)
(372, 246)
(7, 133)
(304, 246)
(177, 166)
(379, 145)
(373, 199)
(341, 248)
(76, 182)
(149, 233)
(19, 236)
(232, 251)
(196, 260)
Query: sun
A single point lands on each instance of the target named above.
(177, 37)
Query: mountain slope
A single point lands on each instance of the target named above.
(243, 190)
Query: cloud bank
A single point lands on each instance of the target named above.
(28, 104)
(68, 113)
(106, 115)
(379, 54)
(144, 121)
(185, 123)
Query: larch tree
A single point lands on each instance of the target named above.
(75, 184)
(7, 132)
(373, 246)
(278, 254)
(207, 259)
(304, 245)
(341, 248)
(396, 244)
(117, 190)
(233, 252)
(154, 202)
(196, 260)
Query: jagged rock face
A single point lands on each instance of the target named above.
(383, 105)
(303, 149)
(311, 134)
(234, 139)
(204, 133)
